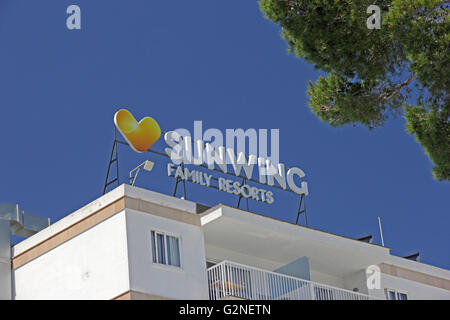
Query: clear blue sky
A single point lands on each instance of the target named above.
(179, 61)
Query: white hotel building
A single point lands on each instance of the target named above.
(133, 243)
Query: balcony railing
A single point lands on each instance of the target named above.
(228, 280)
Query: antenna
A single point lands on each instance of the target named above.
(381, 231)
(14, 220)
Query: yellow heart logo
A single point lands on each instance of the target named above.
(139, 135)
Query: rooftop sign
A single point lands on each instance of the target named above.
(198, 155)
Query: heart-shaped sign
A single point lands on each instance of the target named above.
(139, 135)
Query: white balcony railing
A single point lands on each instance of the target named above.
(229, 280)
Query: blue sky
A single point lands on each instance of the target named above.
(180, 61)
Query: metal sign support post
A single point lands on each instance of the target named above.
(240, 196)
(184, 184)
(300, 210)
(112, 159)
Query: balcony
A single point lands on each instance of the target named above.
(230, 280)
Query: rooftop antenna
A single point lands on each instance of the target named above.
(14, 220)
(381, 231)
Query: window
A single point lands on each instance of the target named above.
(392, 294)
(402, 296)
(165, 249)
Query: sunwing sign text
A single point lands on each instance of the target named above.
(182, 151)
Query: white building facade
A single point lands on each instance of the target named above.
(134, 243)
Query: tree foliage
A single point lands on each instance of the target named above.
(371, 72)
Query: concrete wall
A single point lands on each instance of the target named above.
(217, 254)
(328, 279)
(414, 290)
(417, 280)
(5, 261)
(92, 265)
(298, 268)
(356, 280)
(187, 282)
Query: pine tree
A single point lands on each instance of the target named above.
(371, 73)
